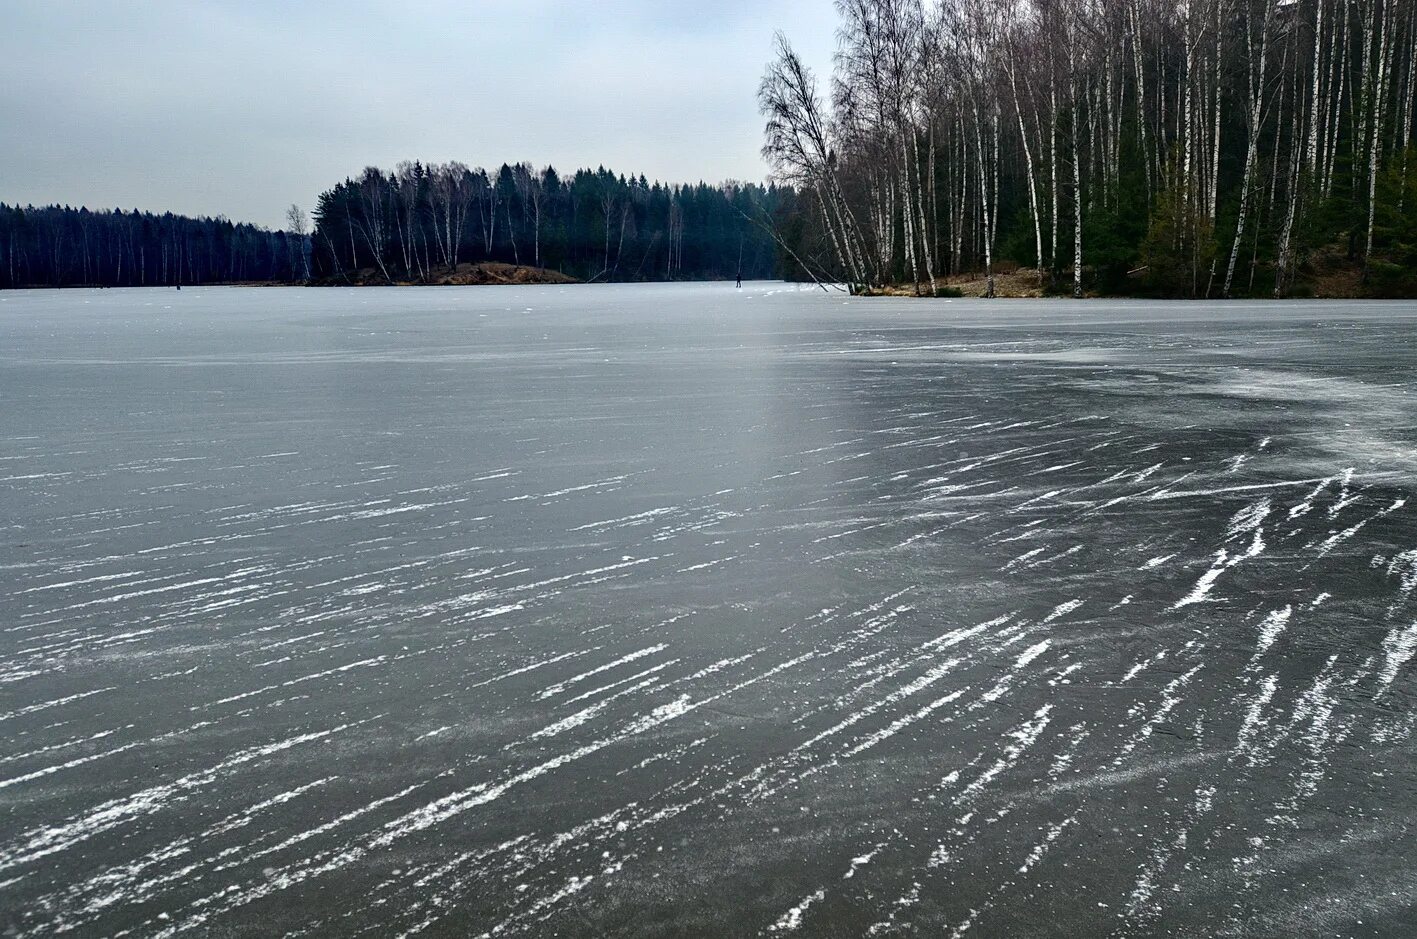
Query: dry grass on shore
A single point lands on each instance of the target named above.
(1328, 274)
(1023, 282)
(466, 275)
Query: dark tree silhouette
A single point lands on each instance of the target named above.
(420, 220)
(59, 246)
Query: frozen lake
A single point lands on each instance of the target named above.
(680, 610)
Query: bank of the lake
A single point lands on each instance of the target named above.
(484, 273)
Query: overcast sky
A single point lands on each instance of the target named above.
(240, 108)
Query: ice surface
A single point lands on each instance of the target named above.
(645, 610)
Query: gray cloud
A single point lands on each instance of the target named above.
(240, 108)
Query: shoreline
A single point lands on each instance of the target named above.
(467, 274)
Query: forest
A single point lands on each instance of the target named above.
(1194, 148)
(422, 220)
(1186, 148)
(59, 246)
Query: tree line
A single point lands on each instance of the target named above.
(422, 220)
(1184, 147)
(59, 246)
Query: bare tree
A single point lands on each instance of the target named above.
(297, 227)
(1257, 36)
(798, 149)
